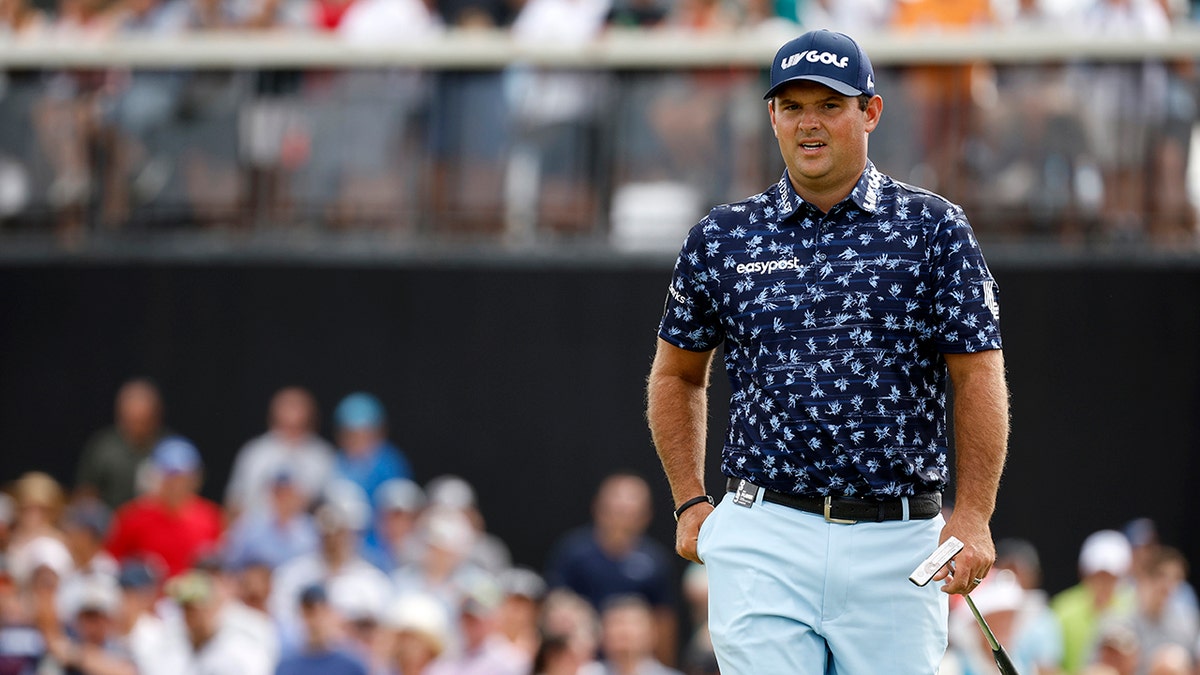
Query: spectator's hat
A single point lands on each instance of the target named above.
(522, 582)
(450, 491)
(1105, 551)
(359, 410)
(176, 454)
(136, 575)
(1000, 592)
(99, 595)
(345, 507)
(191, 588)
(40, 552)
(823, 56)
(423, 616)
(356, 600)
(399, 494)
(313, 595)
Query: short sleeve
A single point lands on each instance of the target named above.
(966, 300)
(690, 316)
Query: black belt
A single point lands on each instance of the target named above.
(850, 509)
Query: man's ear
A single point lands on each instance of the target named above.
(874, 112)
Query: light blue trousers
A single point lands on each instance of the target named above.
(791, 594)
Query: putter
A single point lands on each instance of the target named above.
(930, 566)
(1004, 663)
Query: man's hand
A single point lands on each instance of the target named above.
(687, 531)
(976, 558)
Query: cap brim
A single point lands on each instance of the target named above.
(840, 87)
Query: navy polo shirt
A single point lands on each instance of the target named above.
(833, 327)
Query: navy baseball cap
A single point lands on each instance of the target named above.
(832, 59)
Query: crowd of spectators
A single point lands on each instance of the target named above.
(334, 558)
(1067, 150)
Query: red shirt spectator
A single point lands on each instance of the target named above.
(171, 524)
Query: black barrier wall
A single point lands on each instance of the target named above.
(528, 379)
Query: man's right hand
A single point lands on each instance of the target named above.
(687, 531)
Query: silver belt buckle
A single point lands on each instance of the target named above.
(839, 521)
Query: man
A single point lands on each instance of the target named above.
(290, 444)
(109, 467)
(172, 524)
(281, 532)
(322, 653)
(366, 455)
(212, 646)
(614, 557)
(843, 300)
(1100, 597)
(627, 640)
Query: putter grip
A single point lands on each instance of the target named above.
(1004, 663)
(936, 560)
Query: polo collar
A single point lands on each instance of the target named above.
(867, 193)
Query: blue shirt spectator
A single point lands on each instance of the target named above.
(365, 456)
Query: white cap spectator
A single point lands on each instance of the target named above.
(1105, 551)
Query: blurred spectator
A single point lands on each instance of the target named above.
(290, 443)
(570, 617)
(214, 646)
(636, 14)
(85, 526)
(627, 629)
(554, 162)
(1157, 622)
(1125, 105)
(359, 606)
(1104, 560)
(153, 648)
(253, 580)
(281, 532)
(517, 618)
(90, 645)
(236, 616)
(1116, 652)
(1037, 637)
(21, 18)
(398, 505)
(362, 166)
(453, 492)
(1172, 212)
(441, 568)
(698, 655)
(943, 95)
(8, 515)
(340, 523)
(555, 657)
(852, 17)
(999, 600)
(172, 524)
(322, 653)
(365, 455)
(1145, 547)
(1032, 143)
(614, 557)
(39, 503)
(420, 633)
(143, 105)
(112, 457)
(68, 119)
(484, 650)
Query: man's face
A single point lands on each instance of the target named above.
(822, 136)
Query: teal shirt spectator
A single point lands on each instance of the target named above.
(365, 456)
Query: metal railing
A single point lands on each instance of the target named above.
(624, 141)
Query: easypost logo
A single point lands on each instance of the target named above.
(766, 267)
(814, 56)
